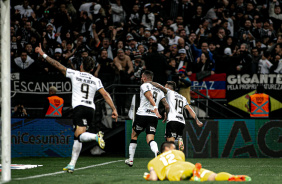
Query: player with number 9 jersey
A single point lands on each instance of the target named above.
(145, 108)
(84, 87)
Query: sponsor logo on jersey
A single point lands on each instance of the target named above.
(87, 101)
(179, 117)
(152, 129)
(149, 111)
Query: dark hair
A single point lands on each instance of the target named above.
(149, 74)
(88, 63)
(166, 144)
(170, 28)
(266, 54)
(172, 84)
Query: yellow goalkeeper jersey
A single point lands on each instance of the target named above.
(171, 165)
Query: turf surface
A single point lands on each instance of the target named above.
(260, 170)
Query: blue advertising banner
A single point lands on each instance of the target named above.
(41, 137)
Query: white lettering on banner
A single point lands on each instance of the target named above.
(248, 82)
(212, 83)
(204, 84)
(23, 85)
(40, 87)
(247, 79)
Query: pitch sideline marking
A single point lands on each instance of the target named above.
(60, 172)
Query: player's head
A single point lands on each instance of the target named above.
(87, 64)
(167, 146)
(52, 90)
(147, 76)
(171, 85)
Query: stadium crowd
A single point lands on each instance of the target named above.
(167, 37)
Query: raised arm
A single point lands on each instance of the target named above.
(161, 87)
(109, 101)
(193, 114)
(149, 96)
(51, 61)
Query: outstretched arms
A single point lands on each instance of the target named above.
(51, 61)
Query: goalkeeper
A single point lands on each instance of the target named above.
(171, 165)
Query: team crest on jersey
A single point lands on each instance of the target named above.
(152, 129)
(84, 121)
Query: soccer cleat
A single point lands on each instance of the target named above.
(128, 162)
(180, 144)
(146, 176)
(158, 153)
(101, 141)
(69, 168)
(240, 178)
(196, 172)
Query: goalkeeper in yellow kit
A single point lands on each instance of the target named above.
(171, 165)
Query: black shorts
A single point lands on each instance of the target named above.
(149, 123)
(82, 116)
(174, 129)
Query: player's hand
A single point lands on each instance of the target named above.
(115, 114)
(165, 117)
(156, 112)
(39, 50)
(199, 123)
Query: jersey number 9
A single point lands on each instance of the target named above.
(85, 89)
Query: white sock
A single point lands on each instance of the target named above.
(87, 137)
(132, 148)
(154, 147)
(76, 148)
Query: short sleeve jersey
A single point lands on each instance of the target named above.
(176, 103)
(145, 105)
(84, 87)
(164, 161)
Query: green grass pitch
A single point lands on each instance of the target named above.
(260, 170)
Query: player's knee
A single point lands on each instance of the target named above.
(76, 137)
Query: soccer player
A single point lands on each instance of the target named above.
(171, 165)
(175, 120)
(84, 87)
(147, 115)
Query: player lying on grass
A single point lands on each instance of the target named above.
(171, 165)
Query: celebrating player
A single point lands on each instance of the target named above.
(147, 115)
(171, 165)
(84, 87)
(176, 121)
